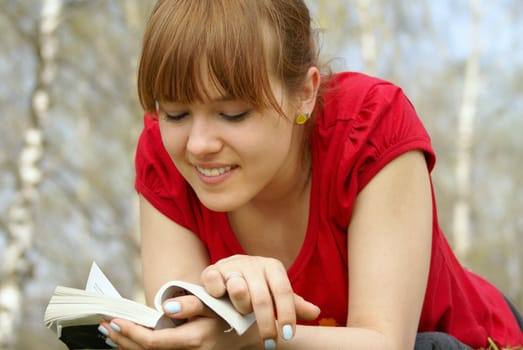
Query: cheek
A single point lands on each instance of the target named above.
(172, 140)
(272, 146)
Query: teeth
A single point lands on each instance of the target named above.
(214, 171)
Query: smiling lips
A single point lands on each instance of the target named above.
(214, 175)
(213, 171)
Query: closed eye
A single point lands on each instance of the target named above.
(228, 117)
(175, 117)
(235, 117)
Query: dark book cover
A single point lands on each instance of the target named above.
(83, 337)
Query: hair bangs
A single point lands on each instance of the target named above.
(190, 54)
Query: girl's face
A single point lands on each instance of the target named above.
(232, 154)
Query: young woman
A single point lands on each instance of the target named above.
(304, 198)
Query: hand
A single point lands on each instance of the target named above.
(203, 331)
(260, 285)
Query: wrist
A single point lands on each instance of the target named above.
(250, 340)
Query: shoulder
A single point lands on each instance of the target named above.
(159, 181)
(348, 94)
(365, 122)
(151, 158)
(354, 106)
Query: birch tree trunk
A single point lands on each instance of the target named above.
(134, 21)
(367, 37)
(466, 119)
(21, 226)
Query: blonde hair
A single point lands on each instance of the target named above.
(242, 43)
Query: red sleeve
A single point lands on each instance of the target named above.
(393, 129)
(158, 180)
(365, 123)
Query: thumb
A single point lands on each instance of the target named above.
(185, 307)
(305, 310)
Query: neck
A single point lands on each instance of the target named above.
(285, 198)
(274, 228)
(275, 222)
(289, 189)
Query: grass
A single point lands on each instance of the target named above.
(493, 346)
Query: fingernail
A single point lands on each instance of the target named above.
(110, 343)
(115, 327)
(287, 332)
(172, 307)
(103, 330)
(269, 344)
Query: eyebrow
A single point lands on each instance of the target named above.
(224, 99)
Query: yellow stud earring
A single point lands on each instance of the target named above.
(302, 118)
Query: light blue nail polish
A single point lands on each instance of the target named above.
(115, 327)
(172, 307)
(269, 344)
(110, 343)
(103, 330)
(287, 332)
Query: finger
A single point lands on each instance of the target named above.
(213, 282)
(238, 292)
(305, 310)
(185, 307)
(262, 305)
(253, 270)
(283, 297)
(115, 339)
(130, 336)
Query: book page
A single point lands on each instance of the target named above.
(99, 283)
(75, 307)
(73, 314)
(222, 306)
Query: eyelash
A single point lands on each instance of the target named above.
(236, 117)
(175, 118)
(231, 118)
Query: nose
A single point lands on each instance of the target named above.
(203, 138)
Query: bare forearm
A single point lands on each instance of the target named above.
(317, 337)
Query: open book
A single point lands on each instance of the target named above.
(74, 314)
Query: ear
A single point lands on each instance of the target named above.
(309, 90)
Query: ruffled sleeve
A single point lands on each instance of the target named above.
(387, 127)
(158, 180)
(365, 123)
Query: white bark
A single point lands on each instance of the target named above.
(466, 120)
(134, 22)
(367, 36)
(15, 265)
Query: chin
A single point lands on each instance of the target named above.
(220, 203)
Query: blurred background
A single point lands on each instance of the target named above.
(70, 120)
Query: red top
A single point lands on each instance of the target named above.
(365, 123)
